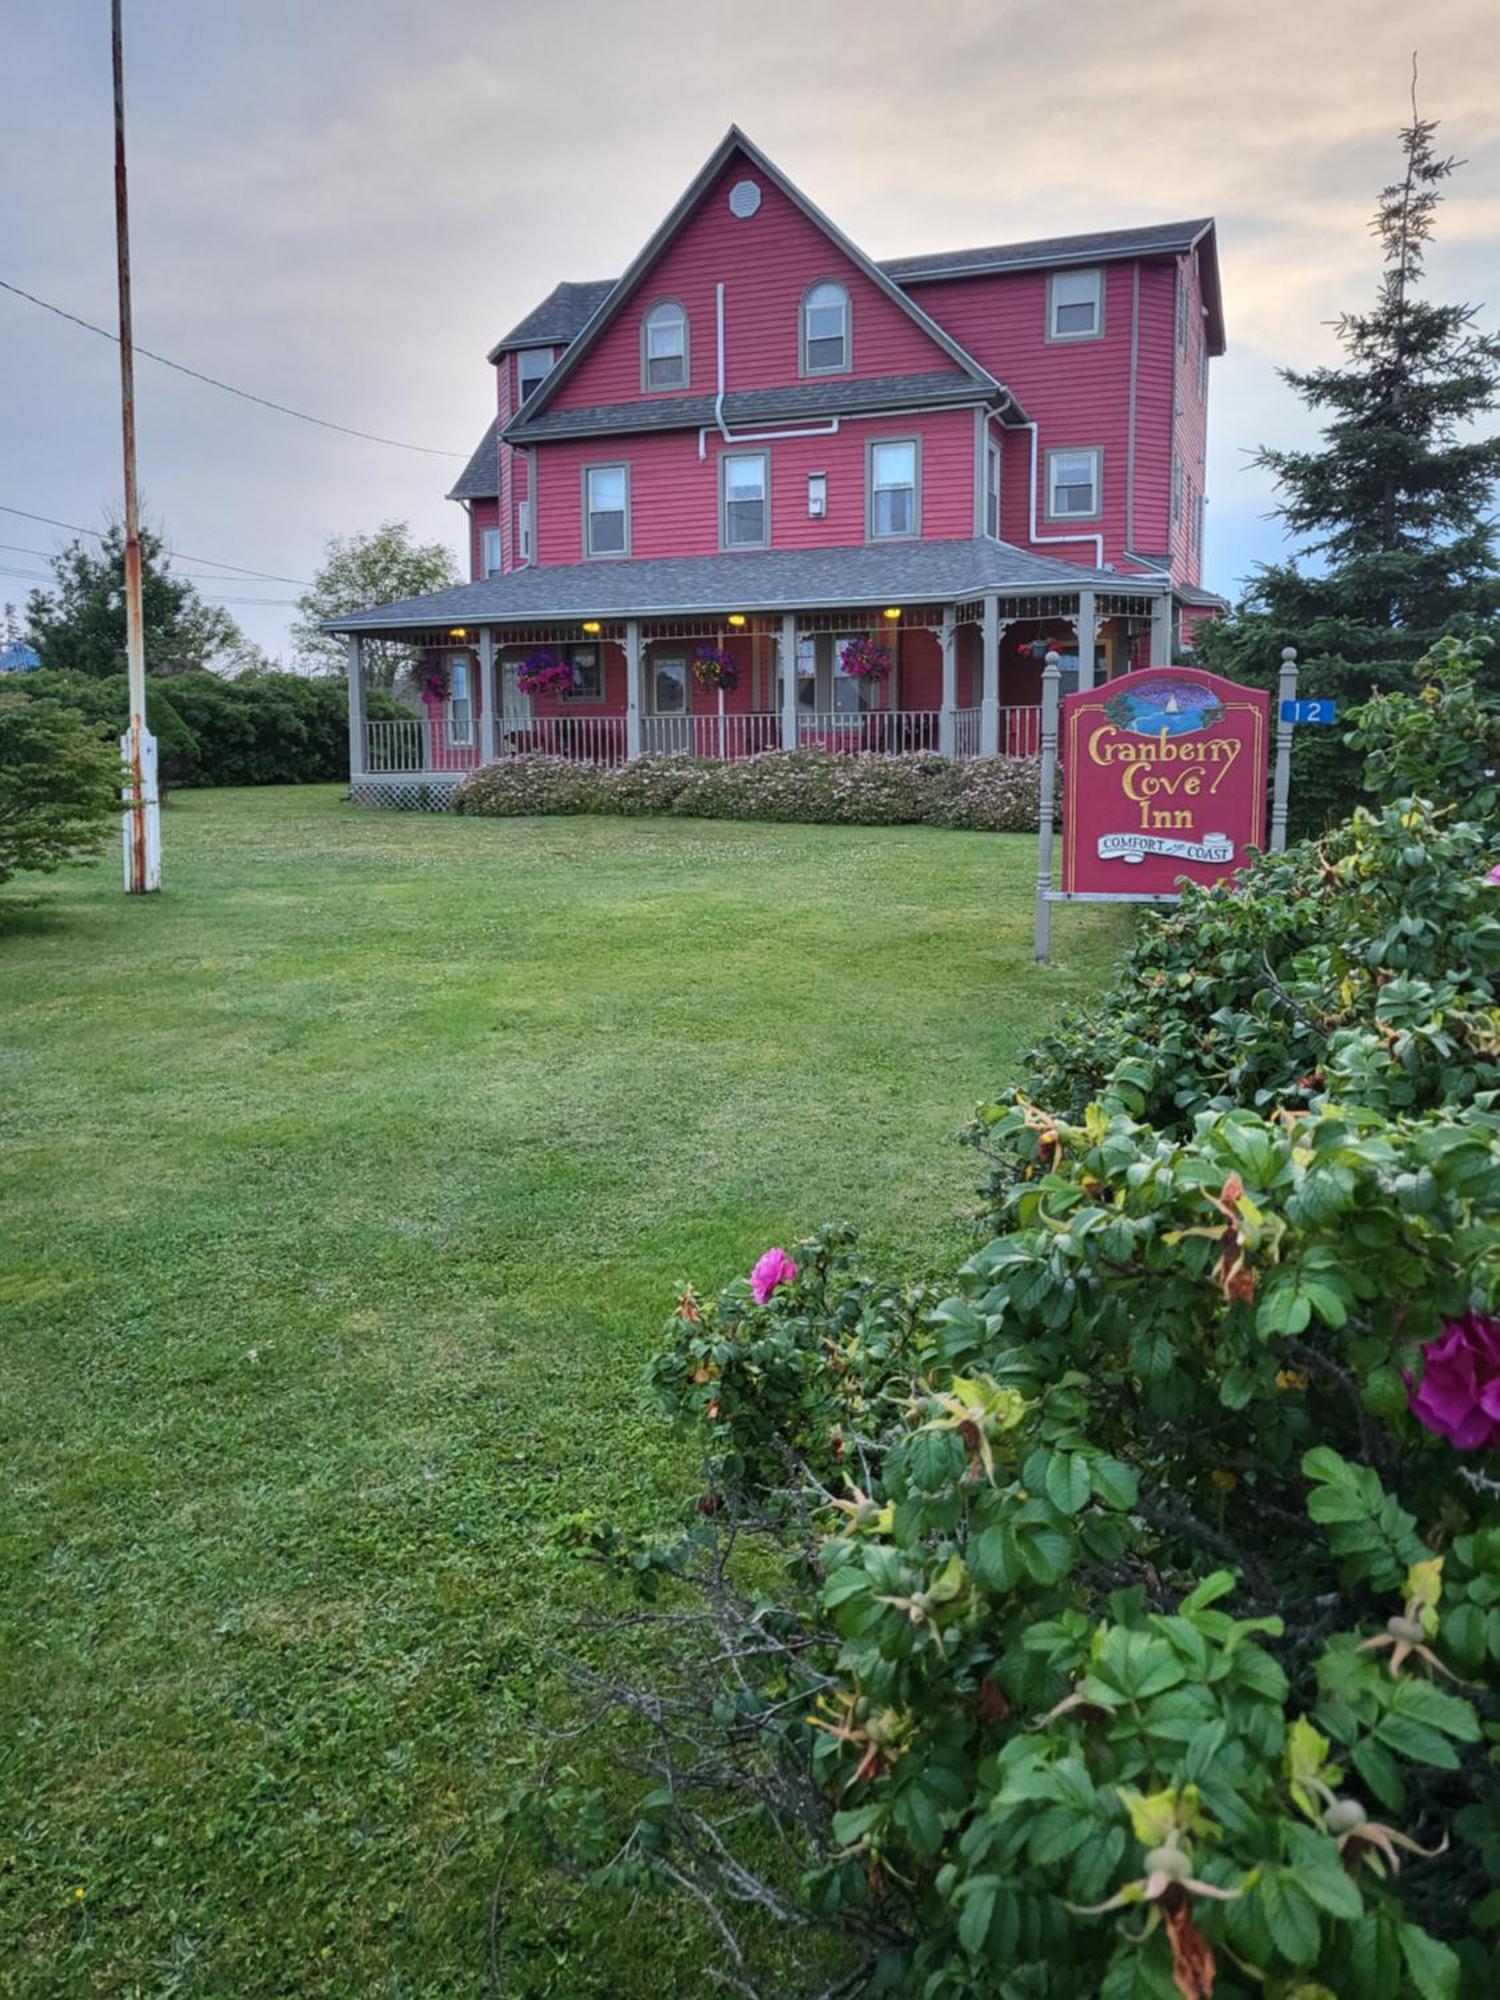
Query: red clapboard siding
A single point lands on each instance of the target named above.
(482, 514)
(766, 263)
(674, 505)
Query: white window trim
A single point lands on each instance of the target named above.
(648, 387)
(725, 459)
(489, 538)
(590, 553)
(820, 481)
(1094, 451)
(1178, 478)
(460, 734)
(846, 366)
(992, 473)
(913, 533)
(1096, 332)
(522, 354)
(654, 666)
(523, 531)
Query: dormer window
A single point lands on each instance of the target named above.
(533, 366)
(825, 330)
(664, 347)
(1075, 305)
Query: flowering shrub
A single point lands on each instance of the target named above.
(543, 672)
(713, 668)
(865, 659)
(992, 794)
(1123, 1616)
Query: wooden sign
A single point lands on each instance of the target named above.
(1164, 776)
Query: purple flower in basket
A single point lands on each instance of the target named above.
(1459, 1395)
(866, 660)
(432, 680)
(714, 668)
(542, 672)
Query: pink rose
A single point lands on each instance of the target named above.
(773, 1269)
(1459, 1396)
(1495, 872)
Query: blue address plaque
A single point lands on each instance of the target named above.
(1315, 709)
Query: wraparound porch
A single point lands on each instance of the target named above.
(964, 681)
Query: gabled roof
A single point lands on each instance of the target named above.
(845, 395)
(559, 319)
(868, 573)
(734, 140)
(1103, 246)
(480, 478)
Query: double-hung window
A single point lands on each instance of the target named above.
(1176, 489)
(746, 515)
(1182, 311)
(533, 366)
(523, 531)
(664, 347)
(460, 704)
(588, 674)
(992, 490)
(669, 687)
(490, 551)
(825, 330)
(606, 510)
(1075, 305)
(1073, 484)
(893, 496)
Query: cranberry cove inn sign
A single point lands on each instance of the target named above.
(1164, 779)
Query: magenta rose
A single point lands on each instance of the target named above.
(773, 1269)
(1459, 1396)
(1495, 872)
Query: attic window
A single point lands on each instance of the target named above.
(744, 200)
(825, 330)
(533, 366)
(664, 347)
(1075, 305)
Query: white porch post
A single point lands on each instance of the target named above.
(635, 692)
(948, 717)
(359, 761)
(989, 707)
(1161, 631)
(1086, 625)
(487, 692)
(789, 680)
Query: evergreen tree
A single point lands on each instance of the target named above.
(79, 625)
(1394, 505)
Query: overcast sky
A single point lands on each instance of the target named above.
(341, 204)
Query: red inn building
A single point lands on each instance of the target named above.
(759, 441)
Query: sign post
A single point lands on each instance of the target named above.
(1166, 782)
(1286, 703)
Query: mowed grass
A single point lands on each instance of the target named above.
(344, 1188)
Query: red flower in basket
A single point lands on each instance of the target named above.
(542, 672)
(866, 660)
(715, 669)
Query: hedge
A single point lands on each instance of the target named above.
(990, 794)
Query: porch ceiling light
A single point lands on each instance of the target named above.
(458, 631)
(893, 611)
(736, 617)
(591, 624)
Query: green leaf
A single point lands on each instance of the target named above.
(1067, 1481)
(977, 1896)
(1114, 1483)
(1380, 1772)
(934, 1459)
(1289, 1915)
(1433, 1967)
(995, 1561)
(1047, 1553)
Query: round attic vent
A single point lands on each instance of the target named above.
(744, 199)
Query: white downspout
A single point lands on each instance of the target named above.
(1046, 541)
(719, 356)
(830, 429)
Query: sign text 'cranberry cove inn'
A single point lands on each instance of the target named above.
(760, 445)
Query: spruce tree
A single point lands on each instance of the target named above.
(1393, 508)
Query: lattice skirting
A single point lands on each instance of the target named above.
(413, 791)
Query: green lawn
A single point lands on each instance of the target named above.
(344, 1188)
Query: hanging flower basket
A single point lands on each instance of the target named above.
(715, 669)
(432, 680)
(542, 672)
(866, 660)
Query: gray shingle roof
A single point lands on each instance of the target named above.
(480, 478)
(1156, 239)
(757, 406)
(564, 313)
(772, 580)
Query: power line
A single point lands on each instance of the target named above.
(212, 562)
(216, 571)
(285, 409)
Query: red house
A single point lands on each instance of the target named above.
(761, 444)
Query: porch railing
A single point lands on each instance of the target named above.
(729, 737)
(886, 731)
(1021, 732)
(584, 739)
(966, 732)
(420, 743)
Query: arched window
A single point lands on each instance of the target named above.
(825, 330)
(664, 347)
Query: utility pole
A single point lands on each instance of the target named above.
(143, 811)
